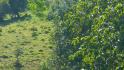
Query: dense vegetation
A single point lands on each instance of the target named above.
(12, 7)
(89, 33)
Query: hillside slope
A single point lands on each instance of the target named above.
(25, 45)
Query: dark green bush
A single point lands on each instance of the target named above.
(12, 7)
(18, 6)
(4, 9)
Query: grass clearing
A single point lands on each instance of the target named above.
(33, 38)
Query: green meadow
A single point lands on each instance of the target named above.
(26, 44)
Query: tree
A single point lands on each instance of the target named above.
(18, 6)
(90, 36)
(4, 9)
(38, 7)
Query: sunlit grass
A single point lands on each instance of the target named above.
(33, 37)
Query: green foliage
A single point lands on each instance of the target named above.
(3, 8)
(12, 8)
(38, 7)
(58, 8)
(90, 35)
(18, 6)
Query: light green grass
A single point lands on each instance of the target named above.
(33, 37)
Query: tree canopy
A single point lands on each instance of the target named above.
(90, 34)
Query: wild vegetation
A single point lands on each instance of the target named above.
(62, 34)
(90, 33)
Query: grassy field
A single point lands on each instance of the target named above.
(25, 45)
